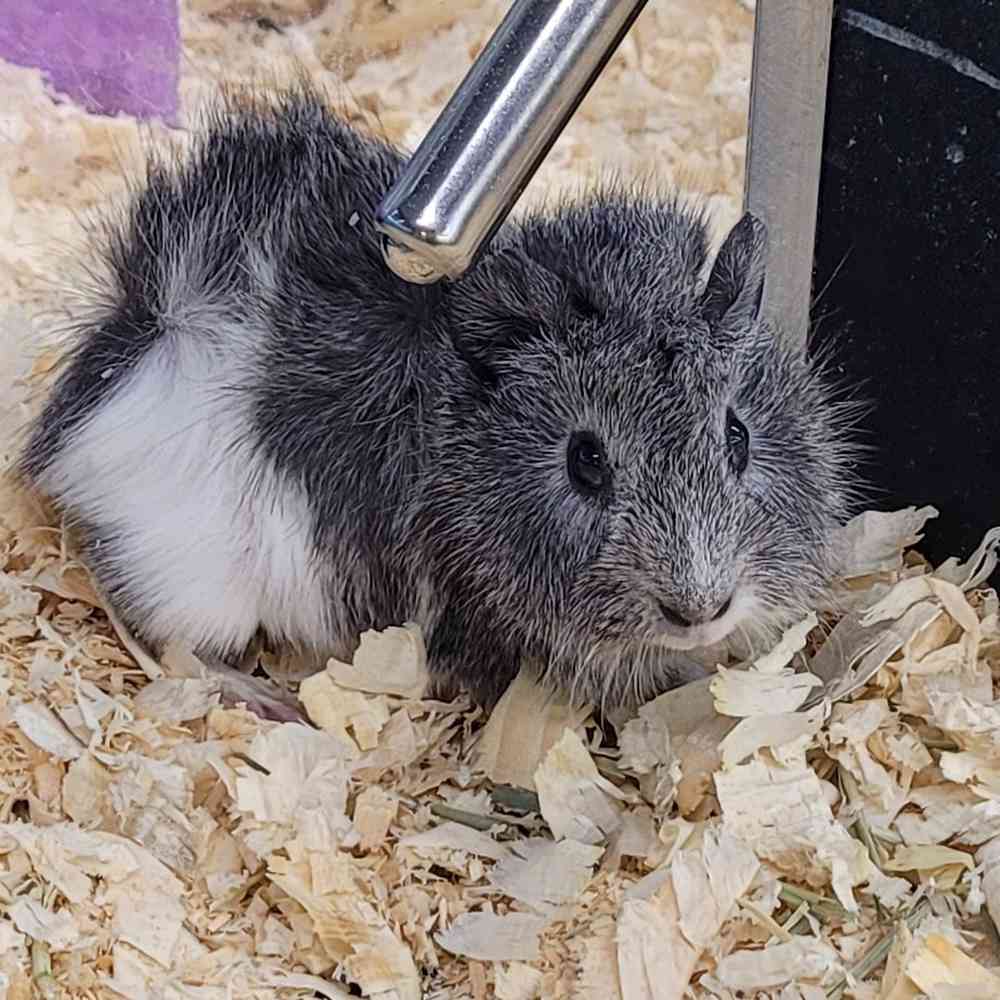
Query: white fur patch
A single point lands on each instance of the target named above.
(211, 545)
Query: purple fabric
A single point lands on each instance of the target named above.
(109, 55)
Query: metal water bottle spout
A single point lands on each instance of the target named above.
(486, 145)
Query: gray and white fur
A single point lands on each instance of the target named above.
(582, 453)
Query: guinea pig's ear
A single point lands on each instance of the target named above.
(505, 302)
(732, 297)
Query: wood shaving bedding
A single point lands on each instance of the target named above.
(156, 845)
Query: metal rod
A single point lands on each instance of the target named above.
(486, 145)
(791, 64)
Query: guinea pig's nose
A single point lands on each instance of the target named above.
(691, 616)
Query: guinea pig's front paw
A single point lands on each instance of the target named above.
(260, 697)
(679, 670)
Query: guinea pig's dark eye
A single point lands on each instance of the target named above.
(585, 463)
(738, 442)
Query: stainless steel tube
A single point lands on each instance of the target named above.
(488, 142)
(791, 63)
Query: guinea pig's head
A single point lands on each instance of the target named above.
(633, 461)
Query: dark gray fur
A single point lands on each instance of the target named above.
(428, 426)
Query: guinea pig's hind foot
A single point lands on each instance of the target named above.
(258, 694)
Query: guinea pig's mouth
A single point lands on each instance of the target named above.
(693, 638)
(669, 635)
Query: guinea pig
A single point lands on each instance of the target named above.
(589, 452)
